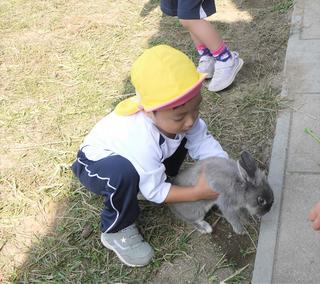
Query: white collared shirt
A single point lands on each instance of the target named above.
(137, 139)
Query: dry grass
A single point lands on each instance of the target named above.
(63, 65)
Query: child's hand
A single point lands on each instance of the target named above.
(204, 191)
(200, 191)
(314, 216)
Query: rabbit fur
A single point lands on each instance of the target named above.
(243, 191)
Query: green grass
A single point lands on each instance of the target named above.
(63, 66)
(283, 6)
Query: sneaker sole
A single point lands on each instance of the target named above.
(105, 243)
(231, 79)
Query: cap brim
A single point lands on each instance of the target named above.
(128, 106)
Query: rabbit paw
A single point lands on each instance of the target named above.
(203, 227)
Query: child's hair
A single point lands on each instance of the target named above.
(163, 77)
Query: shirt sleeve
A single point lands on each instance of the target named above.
(201, 144)
(153, 185)
(146, 159)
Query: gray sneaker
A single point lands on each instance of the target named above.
(129, 246)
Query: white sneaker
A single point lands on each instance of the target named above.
(225, 72)
(206, 65)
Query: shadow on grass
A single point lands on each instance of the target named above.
(72, 253)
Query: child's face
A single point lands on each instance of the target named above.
(180, 119)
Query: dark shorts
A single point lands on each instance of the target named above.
(188, 9)
(115, 178)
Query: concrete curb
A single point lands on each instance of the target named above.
(267, 243)
(263, 266)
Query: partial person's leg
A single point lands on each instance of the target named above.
(206, 59)
(191, 9)
(115, 178)
(216, 60)
(195, 10)
(203, 32)
(227, 63)
(206, 37)
(208, 43)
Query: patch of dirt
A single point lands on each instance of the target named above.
(198, 266)
(212, 257)
(238, 249)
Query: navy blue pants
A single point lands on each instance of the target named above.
(188, 9)
(115, 178)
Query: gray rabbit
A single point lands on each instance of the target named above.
(243, 188)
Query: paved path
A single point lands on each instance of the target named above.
(288, 249)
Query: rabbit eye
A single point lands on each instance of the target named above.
(261, 201)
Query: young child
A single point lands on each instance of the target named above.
(314, 216)
(220, 64)
(144, 140)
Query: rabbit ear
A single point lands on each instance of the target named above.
(248, 164)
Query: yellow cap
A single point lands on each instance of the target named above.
(163, 77)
